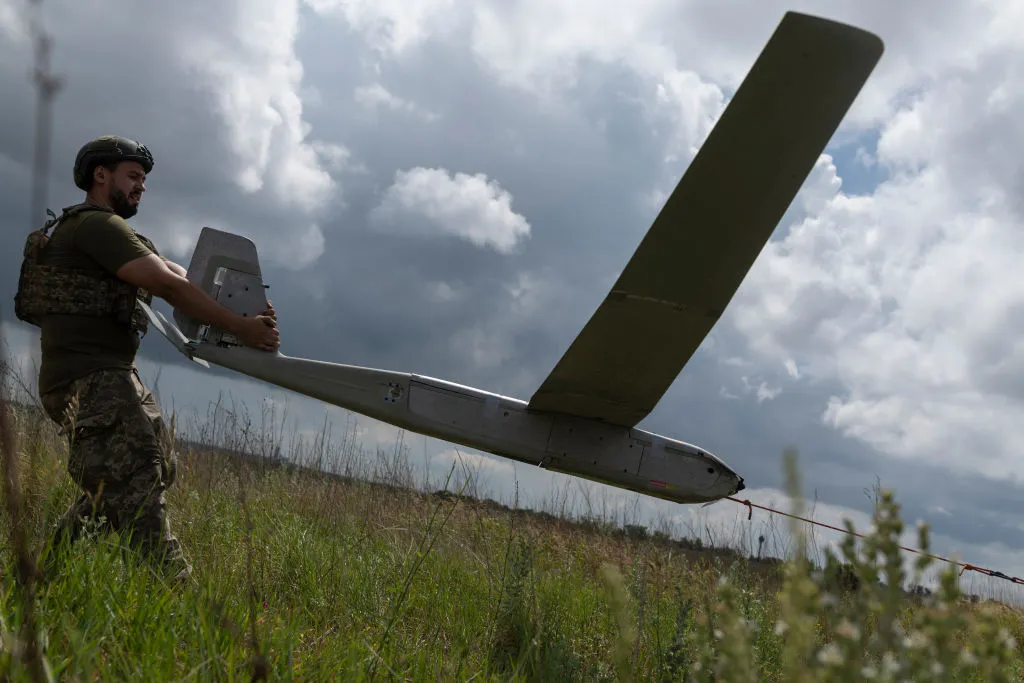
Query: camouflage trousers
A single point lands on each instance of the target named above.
(120, 455)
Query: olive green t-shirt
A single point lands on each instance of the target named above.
(75, 345)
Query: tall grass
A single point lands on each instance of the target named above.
(351, 572)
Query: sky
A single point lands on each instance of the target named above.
(451, 188)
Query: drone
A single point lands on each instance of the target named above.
(582, 419)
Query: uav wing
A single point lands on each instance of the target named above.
(715, 223)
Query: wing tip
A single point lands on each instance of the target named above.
(870, 42)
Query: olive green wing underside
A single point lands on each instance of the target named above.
(715, 223)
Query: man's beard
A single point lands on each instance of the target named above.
(120, 204)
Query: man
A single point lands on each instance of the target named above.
(119, 447)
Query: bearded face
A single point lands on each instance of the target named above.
(124, 205)
(123, 187)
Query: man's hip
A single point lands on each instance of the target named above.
(114, 427)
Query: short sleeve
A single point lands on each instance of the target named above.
(109, 240)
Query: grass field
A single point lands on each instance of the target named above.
(308, 576)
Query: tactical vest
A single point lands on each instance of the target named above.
(52, 290)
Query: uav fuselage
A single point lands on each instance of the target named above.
(628, 458)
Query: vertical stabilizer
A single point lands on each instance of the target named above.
(226, 267)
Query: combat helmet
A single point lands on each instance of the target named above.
(108, 149)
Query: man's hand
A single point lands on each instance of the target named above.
(266, 337)
(259, 332)
(270, 312)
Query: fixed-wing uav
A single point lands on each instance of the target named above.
(582, 419)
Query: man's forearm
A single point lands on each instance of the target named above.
(197, 304)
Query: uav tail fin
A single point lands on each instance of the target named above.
(225, 266)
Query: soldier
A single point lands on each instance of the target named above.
(80, 285)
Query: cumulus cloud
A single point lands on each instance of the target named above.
(256, 79)
(791, 368)
(391, 26)
(471, 207)
(375, 97)
(693, 106)
(907, 295)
